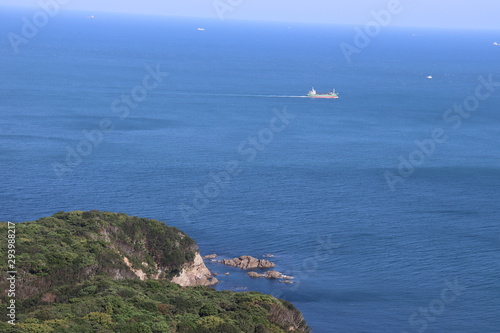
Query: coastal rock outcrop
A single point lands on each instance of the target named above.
(286, 281)
(210, 256)
(270, 275)
(195, 274)
(274, 275)
(247, 262)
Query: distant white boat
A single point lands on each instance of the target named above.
(201, 29)
(429, 77)
(496, 44)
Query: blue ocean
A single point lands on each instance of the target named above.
(383, 204)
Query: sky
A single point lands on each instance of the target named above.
(477, 14)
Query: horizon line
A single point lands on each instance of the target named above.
(256, 20)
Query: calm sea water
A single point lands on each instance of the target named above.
(422, 258)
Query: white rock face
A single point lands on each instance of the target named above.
(195, 274)
(140, 274)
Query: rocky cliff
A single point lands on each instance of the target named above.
(81, 245)
(195, 274)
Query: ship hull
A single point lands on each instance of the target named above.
(324, 96)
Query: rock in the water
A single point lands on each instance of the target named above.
(210, 256)
(273, 275)
(286, 281)
(247, 262)
(255, 274)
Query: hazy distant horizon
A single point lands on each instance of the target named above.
(424, 13)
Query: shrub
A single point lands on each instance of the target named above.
(208, 310)
(99, 319)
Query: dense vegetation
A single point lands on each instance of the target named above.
(72, 278)
(79, 245)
